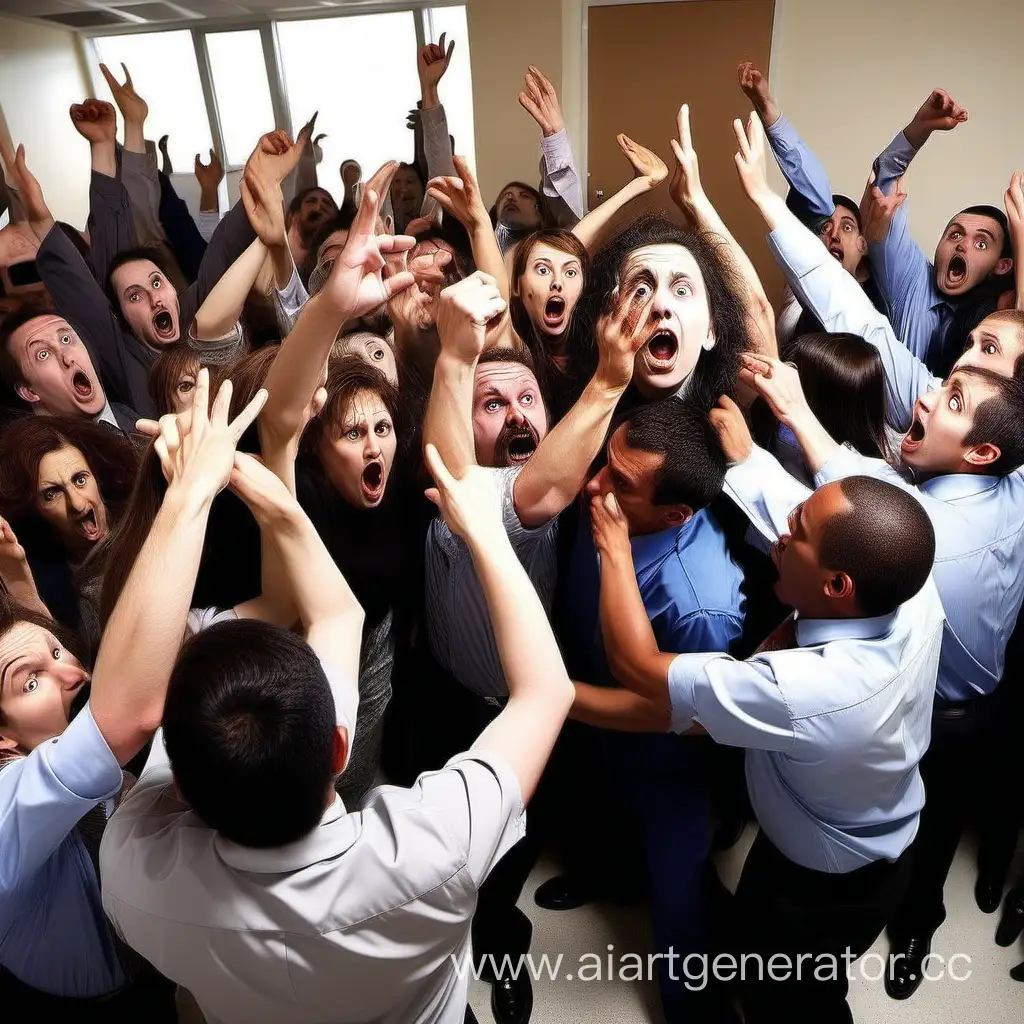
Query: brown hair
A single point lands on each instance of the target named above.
(247, 376)
(25, 441)
(25, 313)
(168, 368)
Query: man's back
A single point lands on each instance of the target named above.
(365, 918)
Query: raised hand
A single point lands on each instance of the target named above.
(939, 113)
(471, 505)
(209, 175)
(733, 432)
(750, 160)
(463, 312)
(18, 244)
(778, 383)
(261, 489)
(609, 526)
(460, 196)
(275, 155)
(432, 63)
(356, 283)
(198, 454)
(12, 555)
(877, 210)
(132, 106)
(95, 120)
(685, 188)
(755, 86)
(165, 164)
(621, 333)
(540, 101)
(31, 195)
(264, 206)
(646, 164)
(1013, 200)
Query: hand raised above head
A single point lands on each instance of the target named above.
(433, 61)
(540, 100)
(470, 505)
(95, 120)
(464, 311)
(646, 164)
(132, 106)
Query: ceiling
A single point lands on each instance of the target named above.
(93, 14)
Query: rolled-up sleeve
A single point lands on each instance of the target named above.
(802, 169)
(288, 302)
(43, 795)
(559, 177)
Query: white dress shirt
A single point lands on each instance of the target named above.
(366, 918)
(834, 727)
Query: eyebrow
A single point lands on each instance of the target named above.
(3, 672)
(955, 226)
(986, 231)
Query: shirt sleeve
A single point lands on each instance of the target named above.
(520, 536)
(801, 168)
(477, 799)
(848, 462)
(111, 222)
(288, 302)
(43, 796)
(437, 144)
(739, 703)
(206, 222)
(765, 492)
(840, 303)
(142, 183)
(559, 178)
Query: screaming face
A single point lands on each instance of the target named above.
(509, 419)
(668, 276)
(968, 253)
(843, 239)
(68, 498)
(148, 301)
(550, 289)
(58, 375)
(358, 460)
(517, 208)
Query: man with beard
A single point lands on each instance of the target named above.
(973, 260)
(43, 359)
(306, 213)
(486, 409)
(141, 312)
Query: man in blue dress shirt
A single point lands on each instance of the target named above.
(665, 467)
(834, 711)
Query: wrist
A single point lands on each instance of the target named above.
(134, 136)
(186, 501)
(551, 129)
(610, 382)
(209, 199)
(917, 135)
(428, 94)
(104, 157)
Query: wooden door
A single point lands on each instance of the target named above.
(646, 60)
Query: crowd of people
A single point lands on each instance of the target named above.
(334, 535)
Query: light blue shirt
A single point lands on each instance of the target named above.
(835, 727)
(978, 520)
(921, 314)
(54, 935)
(801, 168)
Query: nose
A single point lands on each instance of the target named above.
(515, 415)
(927, 402)
(556, 284)
(598, 484)
(69, 675)
(76, 502)
(65, 359)
(372, 448)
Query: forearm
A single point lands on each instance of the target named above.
(487, 255)
(437, 141)
(143, 636)
(556, 473)
(209, 199)
(21, 585)
(622, 710)
(592, 229)
(1018, 269)
(629, 642)
(104, 158)
(816, 444)
(135, 136)
(802, 170)
(448, 424)
(223, 306)
(559, 178)
(284, 265)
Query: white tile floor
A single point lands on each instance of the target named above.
(988, 996)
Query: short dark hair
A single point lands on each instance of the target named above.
(507, 354)
(884, 542)
(693, 472)
(341, 221)
(999, 420)
(999, 216)
(848, 204)
(249, 727)
(153, 253)
(10, 370)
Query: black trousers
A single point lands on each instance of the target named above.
(783, 908)
(958, 786)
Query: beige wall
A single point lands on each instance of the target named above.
(504, 37)
(41, 75)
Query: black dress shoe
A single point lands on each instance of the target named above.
(1011, 924)
(512, 1000)
(988, 892)
(905, 971)
(563, 892)
(1017, 973)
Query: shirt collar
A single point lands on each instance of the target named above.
(106, 415)
(951, 486)
(333, 836)
(814, 632)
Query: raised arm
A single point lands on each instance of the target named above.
(144, 633)
(463, 313)
(1014, 202)
(16, 574)
(801, 168)
(431, 65)
(209, 177)
(560, 181)
(540, 693)
(650, 171)
(559, 467)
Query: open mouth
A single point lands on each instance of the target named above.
(554, 310)
(914, 437)
(82, 385)
(88, 525)
(520, 447)
(837, 252)
(662, 348)
(957, 272)
(164, 323)
(372, 482)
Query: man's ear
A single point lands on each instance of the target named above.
(862, 245)
(26, 394)
(675, 516)
(981, 455)
(838, 586)
(339, 750)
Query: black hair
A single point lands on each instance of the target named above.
(296, 204)
(716, 371)
(153, 253)
(693, 472)
(848, 204)
(999, 420)
(342, 221)
(249, 727)
(507, 354)
(884, 541)
(546, 216)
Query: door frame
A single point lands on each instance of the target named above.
(583, 154)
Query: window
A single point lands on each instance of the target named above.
(243, 96)
(360, 73)
(456, 89)
(164, 70)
